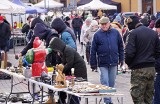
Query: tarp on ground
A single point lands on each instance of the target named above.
(13, 8)
(29, 9)
(49, 4)
(96, 4)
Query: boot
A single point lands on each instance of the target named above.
(49, 101)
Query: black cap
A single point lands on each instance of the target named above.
(132, 21)
(157, 23)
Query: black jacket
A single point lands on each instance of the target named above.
(43, 33)
(77, 23)
(5, 34)
(142, 47)
(71, 59)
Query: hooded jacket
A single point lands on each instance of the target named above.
(43, 33)
(71, 59)
(67, 35)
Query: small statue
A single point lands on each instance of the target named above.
(36, 56)
(60, 78)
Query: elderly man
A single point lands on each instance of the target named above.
(107, 48)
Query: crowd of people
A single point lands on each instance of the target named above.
(131, 41)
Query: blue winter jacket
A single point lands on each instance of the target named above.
(107, 47)
(67, 38)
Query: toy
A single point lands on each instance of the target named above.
(60, 78)
(36, 56)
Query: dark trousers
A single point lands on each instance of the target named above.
(77, 31)
(72, 99)
(157, 90)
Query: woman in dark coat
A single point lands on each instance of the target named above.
(70, 58)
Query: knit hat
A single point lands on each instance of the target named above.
(132, 21)
(157, 23)
(37, 42)
(104, 20)
(94, 23)
(1, 18)
(88, 19)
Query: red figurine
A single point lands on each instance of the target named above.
(36, 56)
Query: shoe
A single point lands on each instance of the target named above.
(96, 70)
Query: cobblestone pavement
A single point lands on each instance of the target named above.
(122, 82)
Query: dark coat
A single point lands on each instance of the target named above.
(71, 59)
(108, 46)
(142, 47)
(77, 23)
(5, 34)
(43, 33)
(25, 28)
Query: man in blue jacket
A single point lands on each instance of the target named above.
(107, 52)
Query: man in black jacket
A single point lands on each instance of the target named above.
(142, 47)
(5, 34)
(77, 24)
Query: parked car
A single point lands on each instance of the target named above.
(127, 14)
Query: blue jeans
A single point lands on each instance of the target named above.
(107, 77)
(157, 90)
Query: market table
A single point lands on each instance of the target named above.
(20, 76)
(86, 96)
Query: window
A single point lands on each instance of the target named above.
(147, 6)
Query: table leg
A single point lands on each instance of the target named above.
(86, 100)
(121, 100)
(11, 89)
(96, 101)
(42, 95)
(33, 86)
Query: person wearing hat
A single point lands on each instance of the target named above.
(88, 38)
(67, 21)
(26, 26)
(142, 47)
(5, 34)
(157, 67)
(106, 53)
(71, 59)
(77, 23)
(85, 27)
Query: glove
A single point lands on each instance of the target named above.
(121, 63)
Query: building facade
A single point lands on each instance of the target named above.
(141, 6)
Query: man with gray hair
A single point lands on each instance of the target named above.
(107, 52)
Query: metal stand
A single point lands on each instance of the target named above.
(12, 85)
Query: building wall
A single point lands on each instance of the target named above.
(134, 5)
(158, 5)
